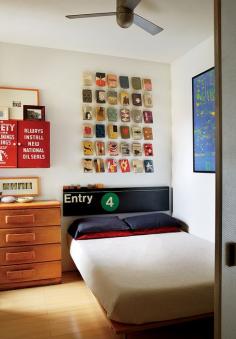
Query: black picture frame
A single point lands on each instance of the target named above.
(34, 112)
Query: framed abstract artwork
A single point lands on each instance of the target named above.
(204, 122)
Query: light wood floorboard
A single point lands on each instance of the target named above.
(70, 311)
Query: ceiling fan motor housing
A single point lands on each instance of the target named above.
(124, 17)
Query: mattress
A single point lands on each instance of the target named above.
(148, 278)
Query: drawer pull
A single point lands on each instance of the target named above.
(20, 219)
(21, 237)
(20, 275)
(19, 256)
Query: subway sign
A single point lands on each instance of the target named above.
(86, 201)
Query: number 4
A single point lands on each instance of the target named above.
(110, 202)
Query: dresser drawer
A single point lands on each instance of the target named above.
(30, 272)
(29, 217)
(30, 236)
(29, 254)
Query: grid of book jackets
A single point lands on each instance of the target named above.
(117, 124)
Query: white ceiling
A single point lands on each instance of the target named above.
(42, 23)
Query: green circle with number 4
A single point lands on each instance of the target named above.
(110, 202)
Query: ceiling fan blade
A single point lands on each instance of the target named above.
(90, 15)
(148, 26)
(131, 4)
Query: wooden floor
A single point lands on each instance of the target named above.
(69, 311)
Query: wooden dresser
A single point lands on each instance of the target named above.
(30, 244)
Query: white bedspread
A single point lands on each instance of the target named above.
(148, 278)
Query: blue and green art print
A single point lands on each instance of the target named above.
(204, 122)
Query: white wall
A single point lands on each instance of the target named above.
(194, 193)
(58, 75)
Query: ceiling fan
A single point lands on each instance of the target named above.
(125, 16)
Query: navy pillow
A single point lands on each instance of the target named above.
(153, 220)
(96, 224)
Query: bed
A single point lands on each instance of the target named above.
(149, 277)
(156, 273)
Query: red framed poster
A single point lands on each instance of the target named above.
(8, 143)
(33, 144)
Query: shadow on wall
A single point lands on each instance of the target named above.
(150, 5)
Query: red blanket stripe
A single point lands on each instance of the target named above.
(113, 234)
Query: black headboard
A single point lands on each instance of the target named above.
(85, 201)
